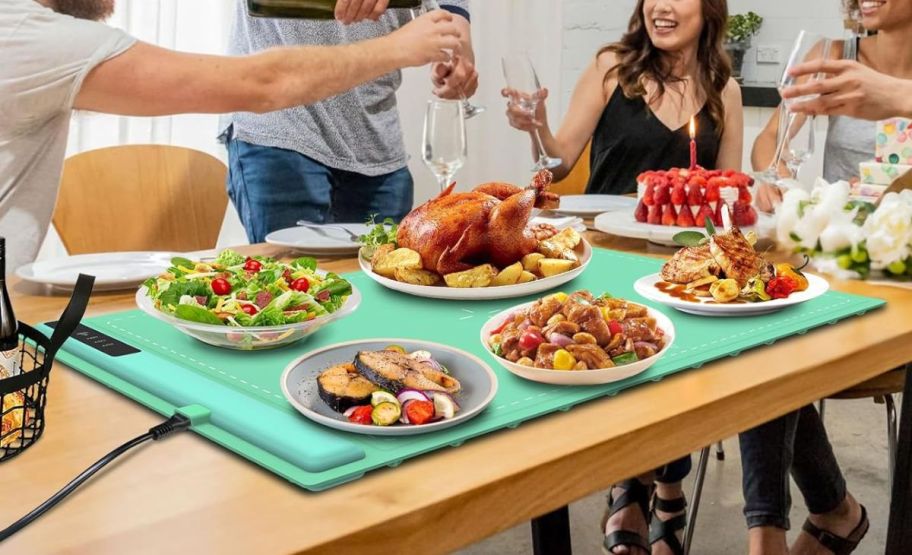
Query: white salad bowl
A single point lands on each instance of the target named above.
(250, 338)
(577, 377)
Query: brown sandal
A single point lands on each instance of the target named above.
(839, 545)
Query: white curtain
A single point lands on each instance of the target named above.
(496, 151)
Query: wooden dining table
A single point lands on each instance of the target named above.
(187, 495)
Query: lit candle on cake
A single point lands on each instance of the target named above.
(693, 144)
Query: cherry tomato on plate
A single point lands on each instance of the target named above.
(301, 284)
(530, 340)
(249, 309)
(419, 412)
(220, 286)
(362, 415)
(253, 265)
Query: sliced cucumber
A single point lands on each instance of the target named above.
(379, 397)
(386, 414)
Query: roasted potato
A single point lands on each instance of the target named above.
(417, 277)
(725, 290)
(556, 251)
(552, 266)
(381, 252)
(406, 259)
(509, 275)
(480, 276)
(526, 277)
(530, 262)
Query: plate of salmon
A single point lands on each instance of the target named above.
(723, 275)
(389, 387)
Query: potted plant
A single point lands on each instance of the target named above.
(741, 28)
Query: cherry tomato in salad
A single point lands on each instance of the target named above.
(615, 327)
(253, 265)
(220, 286)
(362, 415)
(530, 340)
(419, 412)
(249, 309)
(301, 284)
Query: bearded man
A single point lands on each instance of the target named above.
(58, 57)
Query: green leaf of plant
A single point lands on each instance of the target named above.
(689, 238)
(710, 228)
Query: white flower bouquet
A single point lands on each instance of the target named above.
(846, 237)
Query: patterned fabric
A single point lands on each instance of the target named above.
(357, 131)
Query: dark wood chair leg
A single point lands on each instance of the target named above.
(899, 534)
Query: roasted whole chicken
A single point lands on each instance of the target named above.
(457, 231)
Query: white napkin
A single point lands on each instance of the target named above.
(561, 222)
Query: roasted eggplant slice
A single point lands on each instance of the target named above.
(395, 371)
(342, 387)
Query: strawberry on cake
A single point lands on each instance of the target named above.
(687, 198)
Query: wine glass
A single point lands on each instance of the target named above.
(521, 77)
(468, 109)
(808, 47)
(445, 149)
(800, 144)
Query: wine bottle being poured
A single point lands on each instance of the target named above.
(9, 328)
(308, 9)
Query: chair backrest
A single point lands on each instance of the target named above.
(141, 198)
(576, 181)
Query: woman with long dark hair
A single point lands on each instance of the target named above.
(635, 99)
(634, 102)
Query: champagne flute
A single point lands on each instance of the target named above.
(521, 77)
(800, 145)
(445, 149)
(808, 47)
(468, 109)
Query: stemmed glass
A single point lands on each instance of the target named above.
(445, 150)
(522, 78)
(808, 47)
(469, 110)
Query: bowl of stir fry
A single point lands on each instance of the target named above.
(578, 339)
(247, 303)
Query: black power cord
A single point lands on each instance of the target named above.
(176, 423)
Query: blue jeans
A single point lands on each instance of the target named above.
(273, 188)
(796, 443)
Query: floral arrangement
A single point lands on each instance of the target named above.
(848, 237)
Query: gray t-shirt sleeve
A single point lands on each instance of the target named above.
(48, 56)
(460, 7)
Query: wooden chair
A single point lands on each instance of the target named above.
(141, 198)
(576, 181)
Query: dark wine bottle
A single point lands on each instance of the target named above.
(9, 328)
(308, 9)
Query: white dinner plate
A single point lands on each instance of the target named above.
(299, 384)
(483, 293)
(329, 240)
(622, 223)
(646, 287)
(589, 206)
(577, 377)
(113, 271)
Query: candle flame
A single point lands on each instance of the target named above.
(693, 127)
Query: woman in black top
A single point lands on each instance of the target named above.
(634, 102)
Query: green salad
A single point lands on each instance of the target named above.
(234, 290)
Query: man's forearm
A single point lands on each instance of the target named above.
(304, 75)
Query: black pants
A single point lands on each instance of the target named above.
(795, 444)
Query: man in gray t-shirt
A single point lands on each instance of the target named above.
(342, 159)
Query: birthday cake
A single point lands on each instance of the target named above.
(687, 198)
(892, 158)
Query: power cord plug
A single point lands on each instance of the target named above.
(176, 423)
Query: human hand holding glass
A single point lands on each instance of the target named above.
(444, 149)
(526, 94)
